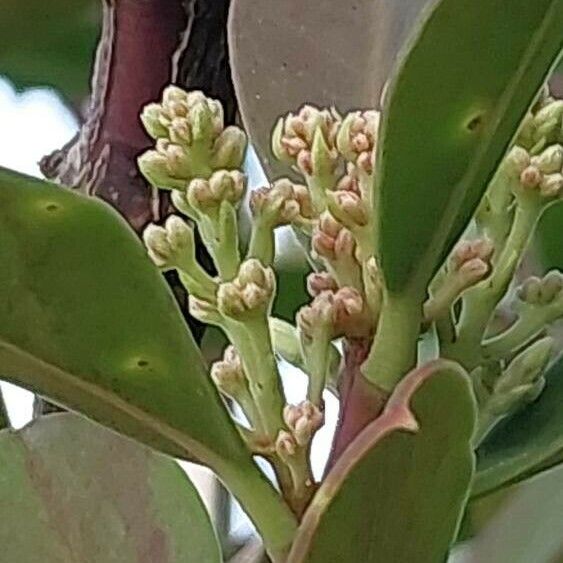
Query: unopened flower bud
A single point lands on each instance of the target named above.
(223, 185)
(536, 291)
(169, 245)
(472, 260)
(250, 292)
(531, 177)
(204, 311)
(307, 139)
(286, 446)
(151, 117)
(548, 123)
(357, 138)
(348, 208)
(229, 149)
(551, 185)
(318, 316)
(317, 282)
(228, 374)
(526, 368)
(331, 240)
(282, 203)
(155, 167)
(516, 161)
(303, 420)
(550, 160)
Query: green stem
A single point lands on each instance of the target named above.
(269, 513)
(262, 243)
(316, 355)
(480, 301)
(393, 353)
(252, 340)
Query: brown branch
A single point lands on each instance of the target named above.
(144, 45)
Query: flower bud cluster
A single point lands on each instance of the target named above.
(342, 313)
(303, 420)
(171, 245)
(471, 261)
(307, 140)
(282, 203)
(181, 122)
(250, 293)
(228, 374)
(543, 174)
(331, 240)
(206, 196)
(543, 126)
(544, 291)
(357, 138)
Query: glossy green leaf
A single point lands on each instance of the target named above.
(397, 493)
(86, 319)
(73, 491)
(526, 443)
(284, 54)
(454, 103)
(49, 43)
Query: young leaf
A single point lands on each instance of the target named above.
(73, 491)
(454, 103)
(397, 492)
(284, 54)
(526, 443)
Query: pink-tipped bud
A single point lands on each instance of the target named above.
(317, 282)
(303, 420)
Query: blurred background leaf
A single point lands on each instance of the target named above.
(49, 43)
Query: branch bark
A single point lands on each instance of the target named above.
(144, 45)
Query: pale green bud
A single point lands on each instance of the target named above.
(155, 167)
(250, 293)
(286, 446)
(228, 374)
(204, 311)
(229, 149)
(550, 160)
(357, 138)
(282, 203)
(172, 245)
(151, 117)
(548, 122)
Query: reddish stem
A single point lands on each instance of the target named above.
(360, 401)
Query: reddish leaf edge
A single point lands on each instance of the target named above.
(397, 417)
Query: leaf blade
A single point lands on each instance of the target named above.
(452, 127)
(70, 489)
(408, 470)
(81, 304)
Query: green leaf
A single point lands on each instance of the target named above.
(526, 443)
(49, 43)
(86, 319)
(398, 491)
(284, 55)
(454, 103)
(73, 491)
(527, 526)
